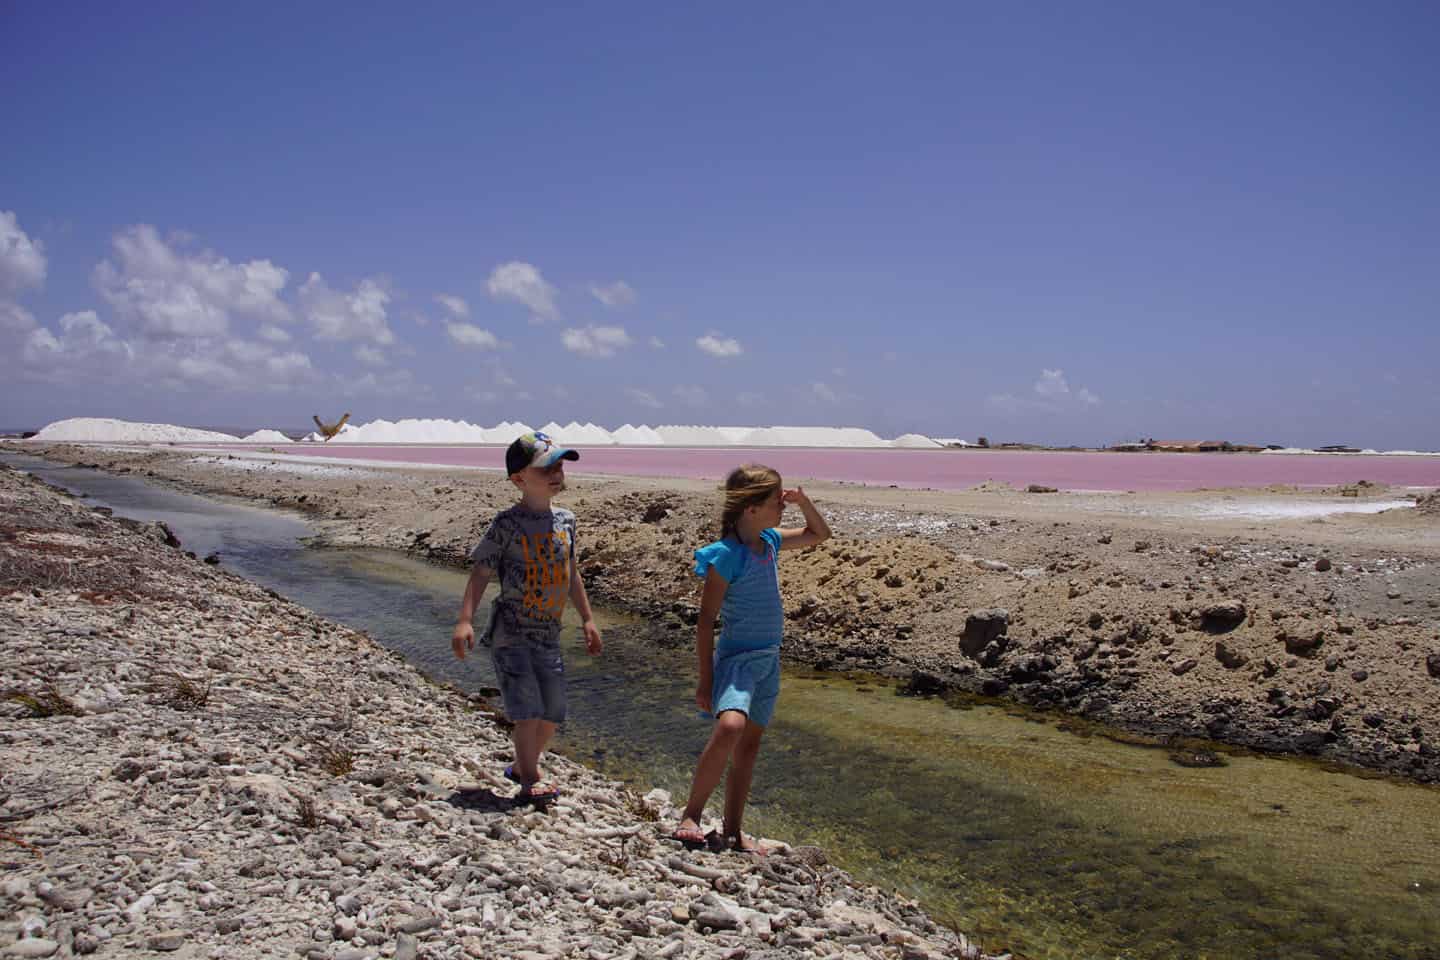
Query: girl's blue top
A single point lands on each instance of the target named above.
(753, 618)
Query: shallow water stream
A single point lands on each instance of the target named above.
(1050, 842)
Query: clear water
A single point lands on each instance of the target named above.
(1046, 841)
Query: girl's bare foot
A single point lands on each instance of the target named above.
(743, 844)
(689, 833)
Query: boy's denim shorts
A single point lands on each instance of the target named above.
(748, 681)
(531, 676)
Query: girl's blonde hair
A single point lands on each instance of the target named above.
(746, 486)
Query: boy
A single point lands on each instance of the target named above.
(531, 547)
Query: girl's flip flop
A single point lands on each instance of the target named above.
(538, 793)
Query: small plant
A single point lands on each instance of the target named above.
(179, 691)
(49, 702)
(639, 809)
(305, 806)
(335, 760)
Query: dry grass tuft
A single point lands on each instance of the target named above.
(639, 809)
(334, 760)
(179, 691)
(49, 702)
(305, 806)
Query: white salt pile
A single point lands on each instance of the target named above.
(917, 440)
(125, 431)
(637, 437)
(266, 436)
(426, 431)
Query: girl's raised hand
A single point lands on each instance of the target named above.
(796, 496)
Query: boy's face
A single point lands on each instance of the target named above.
(541, 483)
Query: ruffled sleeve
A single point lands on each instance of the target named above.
(723, 555)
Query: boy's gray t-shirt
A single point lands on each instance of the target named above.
(531, 552)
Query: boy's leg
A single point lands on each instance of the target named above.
(729, 726)
(530, 738)
(737, 783)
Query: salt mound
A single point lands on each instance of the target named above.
(578, 435)
(913, 440)
(102, 429)
(266, 436)
(813, 437)
(1429, 504)
(684, 435)
(641, 436)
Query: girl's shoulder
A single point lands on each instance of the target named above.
(725, 556)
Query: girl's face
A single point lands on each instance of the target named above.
(769, 511)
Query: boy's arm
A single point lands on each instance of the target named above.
(463, 636)
(593, 642)
(710, 599)
(816, 530)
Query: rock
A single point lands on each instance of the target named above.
(1140, 546)
(1302, 640)
(983, 627)
(1322, 565)
(1230, 659)
(1095, 621)
(993, 566)
(1222, 617)
(1432, 665)
(32, 947)
(166, 941)
(1040, 488)
(1184, 666)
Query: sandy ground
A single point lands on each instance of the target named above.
(1256, 617)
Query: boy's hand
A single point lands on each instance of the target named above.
(462, 639)
(593, 643)
(702, 692)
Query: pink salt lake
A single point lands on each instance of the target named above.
(937, 469)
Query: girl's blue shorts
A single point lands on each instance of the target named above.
(748, 681)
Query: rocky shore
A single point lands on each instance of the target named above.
(192, 766)
(1175, 616)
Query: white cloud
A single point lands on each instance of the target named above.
(167, 292)
(456, 306)
(691, 394)
(822, 392)
(718, 346)
(22, 260)
(657, 344)
(337, 315)
(617, 294)
(595, 341)
(469, 335)
(522, 283)
(15, 318)
(86, 349)
(268, 331)
(839, 371)
(370, 356)
(393, 383)
(1051, 394)
(644, 398)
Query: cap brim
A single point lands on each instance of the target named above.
(555, 453)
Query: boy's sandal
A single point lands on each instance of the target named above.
(511, 775)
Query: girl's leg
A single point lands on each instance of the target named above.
(737, 784)
(729, 727)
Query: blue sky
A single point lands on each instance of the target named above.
(1062, 223)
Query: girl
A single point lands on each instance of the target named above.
(740, 678)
